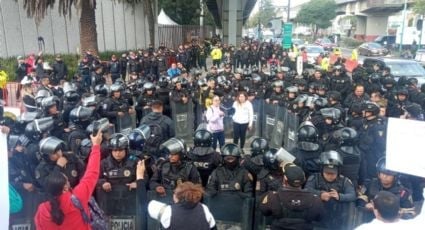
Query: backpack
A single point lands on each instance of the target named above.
(157, 136)
(98, 220)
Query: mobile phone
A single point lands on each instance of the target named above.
(96, 126)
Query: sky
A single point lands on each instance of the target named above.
(280, 3)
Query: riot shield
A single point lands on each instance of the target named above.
(278, 133)
(167, 199)
(121, 206)
(260, 221)
(257, 105)
(227, 120)
(268, 121)
(126, 123)
(231, 209)
(291, 127)
(24, 218)
(183, 117)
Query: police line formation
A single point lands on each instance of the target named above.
(317, 139)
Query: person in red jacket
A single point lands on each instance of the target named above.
(59, 212)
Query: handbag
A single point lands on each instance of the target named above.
(98, 220)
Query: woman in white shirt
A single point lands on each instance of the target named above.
(242, 118)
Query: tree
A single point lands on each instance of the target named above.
(419, 7)
(184, 12)
(37, 9)
(318, 13)
(265, 13)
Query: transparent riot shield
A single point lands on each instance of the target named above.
(230, 210)
(278, 133)
(121, 207)
(291, 127)
(257, 105)
(126, 123)
(269, 121)
(25, 218)
(183, 117)
(227, 120)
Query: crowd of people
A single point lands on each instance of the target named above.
(339, 166)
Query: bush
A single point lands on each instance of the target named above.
(71, 60)
(351, 42)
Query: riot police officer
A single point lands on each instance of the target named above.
(388, 181)
(270, 177)
(50, 106)
(340, 81)
(119, 167)
(292, 207)
(203, 156)
(175, 170)
(230, 177)
(144, 101)
(372, 141)
(335, 190)
(308, 148)
(254, 162)
(163, 94)
(55, 160)
(116, 106)
(331, 123)
(80, 119)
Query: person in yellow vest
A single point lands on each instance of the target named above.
(295, 49)
(325, 63)
(216, 55)
(3, 82)
(337, 52)
(354, 54)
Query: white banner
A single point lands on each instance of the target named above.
(4, 183)
(405, 146)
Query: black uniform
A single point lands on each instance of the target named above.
(223, 179)
(74, 170)
(112, 106)
(170, 175)
(292, 208)
(162, 128)
(205, 160)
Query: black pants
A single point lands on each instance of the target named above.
(239, 133)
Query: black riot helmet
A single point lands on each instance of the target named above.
(259, 146)
(381, 167)
(320, 103)
(163, 81)
(371, 107)
(330, 158)
(138, 137)
(202, 138)
(81, 116)
(345, 136)
(72, 97)
(174, 146)
(270, 159)
(116, 88)
(118, 141)
(332, 113)
(415, 111)
(148, 86)
(50, 145)
(48, 102)
(38, 127)
(84, 149)
(101, 90)
(231, 150)
(308, 136)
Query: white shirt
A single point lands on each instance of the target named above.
(243, 113)
(376, 224)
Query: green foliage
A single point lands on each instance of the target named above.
(318, 13)
(351, 42)
(265, 13)
(419, 7)
(183, 12)
(71, 60)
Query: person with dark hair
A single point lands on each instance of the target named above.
(59, 212)
(242, 118)
(386, 208)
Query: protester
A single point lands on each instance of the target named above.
(214, 116)
(242, 118)
(59, 212)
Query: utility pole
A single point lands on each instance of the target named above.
(289, 11)
(402, 26)
(260, 8)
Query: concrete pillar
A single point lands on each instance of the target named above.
(232, 21)
(375, 26)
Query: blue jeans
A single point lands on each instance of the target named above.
(218, 136)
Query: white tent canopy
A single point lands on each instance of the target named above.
(163, 19)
